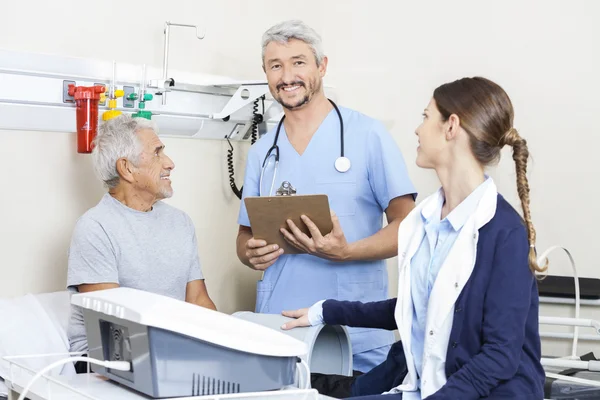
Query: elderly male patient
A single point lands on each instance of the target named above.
(131, 238)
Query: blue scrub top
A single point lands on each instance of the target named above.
(359, 197)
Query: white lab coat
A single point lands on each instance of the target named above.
(452, 277)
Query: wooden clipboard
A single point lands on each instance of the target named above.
(269, 214)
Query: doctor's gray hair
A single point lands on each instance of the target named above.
(294, 29)
(117, 139)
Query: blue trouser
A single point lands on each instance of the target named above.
(383, 377)
(370, 386)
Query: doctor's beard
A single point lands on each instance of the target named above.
(314, 86)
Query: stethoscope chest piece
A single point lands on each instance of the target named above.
(342, 164)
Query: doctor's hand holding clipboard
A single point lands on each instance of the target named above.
(293, 224)
(332, 246)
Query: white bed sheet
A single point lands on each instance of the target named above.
(34, 324)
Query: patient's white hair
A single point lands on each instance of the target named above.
(294, 29)
(117, 139)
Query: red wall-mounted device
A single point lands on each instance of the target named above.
(86, 99)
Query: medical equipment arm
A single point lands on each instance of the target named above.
(384, 243)
(377, 314)
(506, 307)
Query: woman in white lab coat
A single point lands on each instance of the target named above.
(467, 305)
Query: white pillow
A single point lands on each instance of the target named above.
(58, 308)
(26, 328)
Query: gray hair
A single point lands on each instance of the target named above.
(294, 29)
(117, 139)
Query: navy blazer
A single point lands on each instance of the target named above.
(480, 362)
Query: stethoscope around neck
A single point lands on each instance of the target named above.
(342, 164)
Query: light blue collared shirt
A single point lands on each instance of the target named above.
(426, 263)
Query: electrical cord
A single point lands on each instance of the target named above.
(581, 381)
(257, 118)
(542, 258)
(119, 365)
(234, 188)
(304, 384)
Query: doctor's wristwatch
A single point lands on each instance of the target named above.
(286, 189)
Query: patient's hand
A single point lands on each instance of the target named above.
(301, 320)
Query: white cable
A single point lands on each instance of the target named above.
(119, 365)
(543, 257)
(307, 381)
(573, 379)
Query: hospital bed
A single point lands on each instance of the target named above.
(94, 386)
(41, 322)
(33, 324)
(571, 377)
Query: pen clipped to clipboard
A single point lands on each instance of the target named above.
(269, 214)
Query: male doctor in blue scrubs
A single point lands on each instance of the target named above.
(348, 263)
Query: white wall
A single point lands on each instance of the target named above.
(386, 57)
